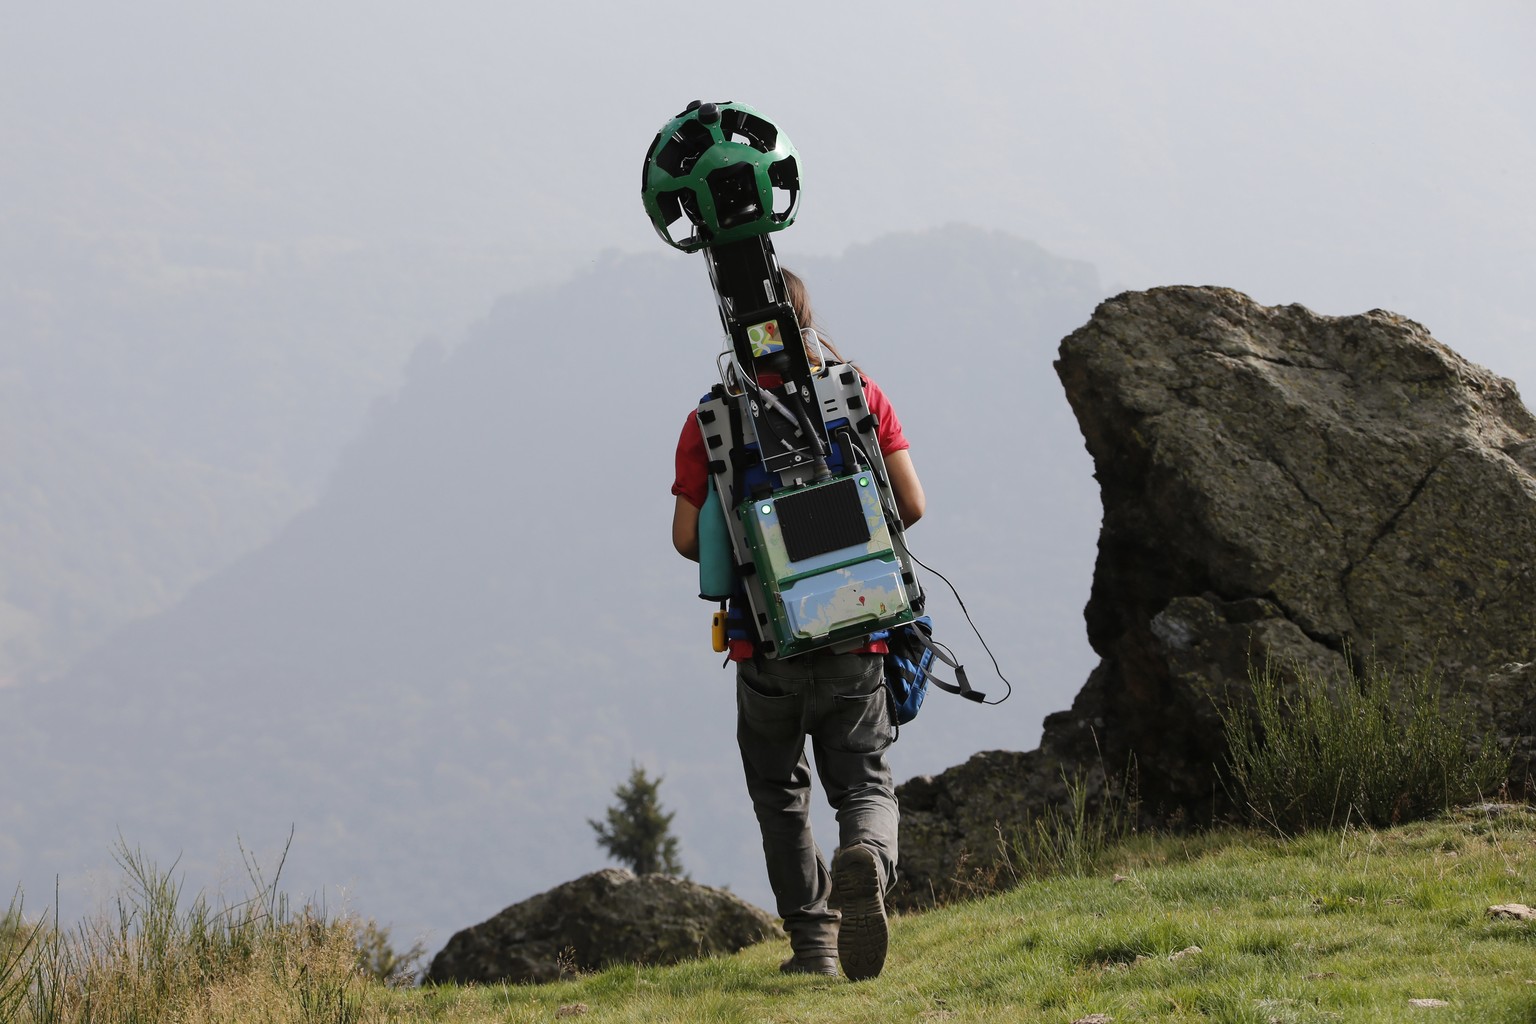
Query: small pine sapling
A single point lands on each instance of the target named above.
(637, 833)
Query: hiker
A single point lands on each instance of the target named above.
(835, 697)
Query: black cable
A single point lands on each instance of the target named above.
(964, 610)
(995, 666)
(818, 444)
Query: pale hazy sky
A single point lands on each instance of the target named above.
(1344, 155)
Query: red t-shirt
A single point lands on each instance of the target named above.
(692, 479)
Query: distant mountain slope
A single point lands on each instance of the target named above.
(98, 528)
(439, 671)
(168, 400)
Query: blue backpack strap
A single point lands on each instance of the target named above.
(961, 685)
(912, 666)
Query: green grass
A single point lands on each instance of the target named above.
(1332, 926)
(1345, 925)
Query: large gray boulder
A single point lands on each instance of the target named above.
(607, 917)
(1276, 485)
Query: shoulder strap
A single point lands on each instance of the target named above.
(740, 621)
(733, 413)
(962, 685)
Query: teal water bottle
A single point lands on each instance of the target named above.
(717, 578)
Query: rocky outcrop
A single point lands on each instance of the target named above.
(946, 820)
(607, 917)
(1283, 486)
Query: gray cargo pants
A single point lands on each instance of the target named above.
(839, 702)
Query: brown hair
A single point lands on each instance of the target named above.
(801, 300)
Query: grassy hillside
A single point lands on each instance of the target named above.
(1231, 928)
(1228, 927)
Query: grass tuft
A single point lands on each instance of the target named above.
(157, 956)
(1366, 749)
(1079, 838)
(1075, 838)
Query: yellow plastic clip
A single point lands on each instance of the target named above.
(717, 631)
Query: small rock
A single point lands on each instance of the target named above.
(1512, 912)
(607, 917)
(1428, 1004)
(1187, 951)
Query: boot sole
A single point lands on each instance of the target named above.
(864, 934)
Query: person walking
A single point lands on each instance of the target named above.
(835, 698)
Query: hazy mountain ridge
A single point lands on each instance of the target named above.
(97, 528)
(438, 696)
(168, 400)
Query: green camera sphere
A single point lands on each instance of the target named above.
(717, 173)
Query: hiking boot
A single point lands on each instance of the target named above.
(823, 965)
(864, 934)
